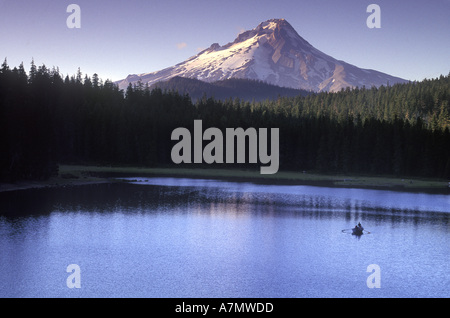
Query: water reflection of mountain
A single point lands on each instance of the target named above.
(213, 197)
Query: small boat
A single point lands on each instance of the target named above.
(357, 230)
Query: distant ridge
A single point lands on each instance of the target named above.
(243, 89)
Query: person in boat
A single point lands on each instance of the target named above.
(356, 230)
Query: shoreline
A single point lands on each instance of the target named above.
(77, 175)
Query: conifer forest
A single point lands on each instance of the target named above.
(47, 119)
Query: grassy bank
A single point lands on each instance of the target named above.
(282, 177)
(71, 175)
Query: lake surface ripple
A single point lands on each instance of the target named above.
(170, 237)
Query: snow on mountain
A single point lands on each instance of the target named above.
(272, 52)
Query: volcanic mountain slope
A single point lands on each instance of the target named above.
(272, 52)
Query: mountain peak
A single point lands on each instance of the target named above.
(272, 52)
(274, 24)
(277, 28)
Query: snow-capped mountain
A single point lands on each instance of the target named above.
(272, 52)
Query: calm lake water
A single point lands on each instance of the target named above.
(164, 237)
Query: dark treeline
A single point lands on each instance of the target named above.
(46, 119)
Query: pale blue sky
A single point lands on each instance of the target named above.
(118, 38)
